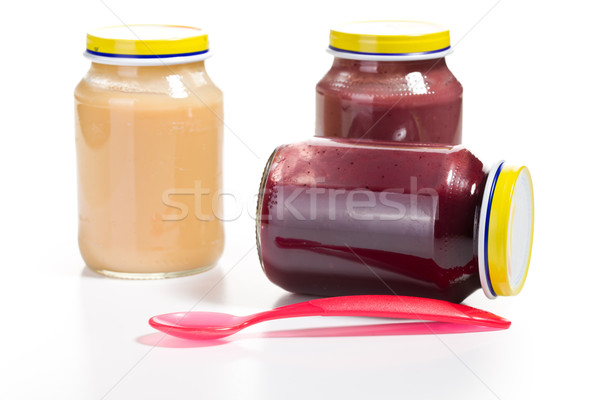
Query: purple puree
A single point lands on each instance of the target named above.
(407, 101)
(342, 217)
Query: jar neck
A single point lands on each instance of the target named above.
(479, 211)
(480, 225)
(129, 71)
(390, 66)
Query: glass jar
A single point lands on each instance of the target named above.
(149, 132)
(390, 81)
(349, 217)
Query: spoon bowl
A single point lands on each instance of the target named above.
(197, 324)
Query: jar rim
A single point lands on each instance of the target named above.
(351, 55)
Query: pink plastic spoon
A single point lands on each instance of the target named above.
(209, 325)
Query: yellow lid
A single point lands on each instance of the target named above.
(506, 230)
(151, 42)
(390, 38)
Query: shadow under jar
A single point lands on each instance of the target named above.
(389, 81)
(149, 133)
(347, 217)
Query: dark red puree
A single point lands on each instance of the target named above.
(343, 217)
(407, 101)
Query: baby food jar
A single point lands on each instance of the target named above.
(149, 132)
(390, 81)
(349, 217)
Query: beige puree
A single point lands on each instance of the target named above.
(149, 160)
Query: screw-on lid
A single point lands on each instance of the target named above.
(147, 45)
(389, 40)
(505, 230)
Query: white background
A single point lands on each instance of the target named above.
(530, 74)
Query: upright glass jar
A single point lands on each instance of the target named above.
(149, 132)
(349, 217)
(390, 81)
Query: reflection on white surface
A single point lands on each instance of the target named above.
(123, 355)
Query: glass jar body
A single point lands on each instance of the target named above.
(347, 217)
(149, 143)
(405, 101)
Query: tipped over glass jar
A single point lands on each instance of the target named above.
(346, 217)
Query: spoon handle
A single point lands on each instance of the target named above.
(387, 306)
